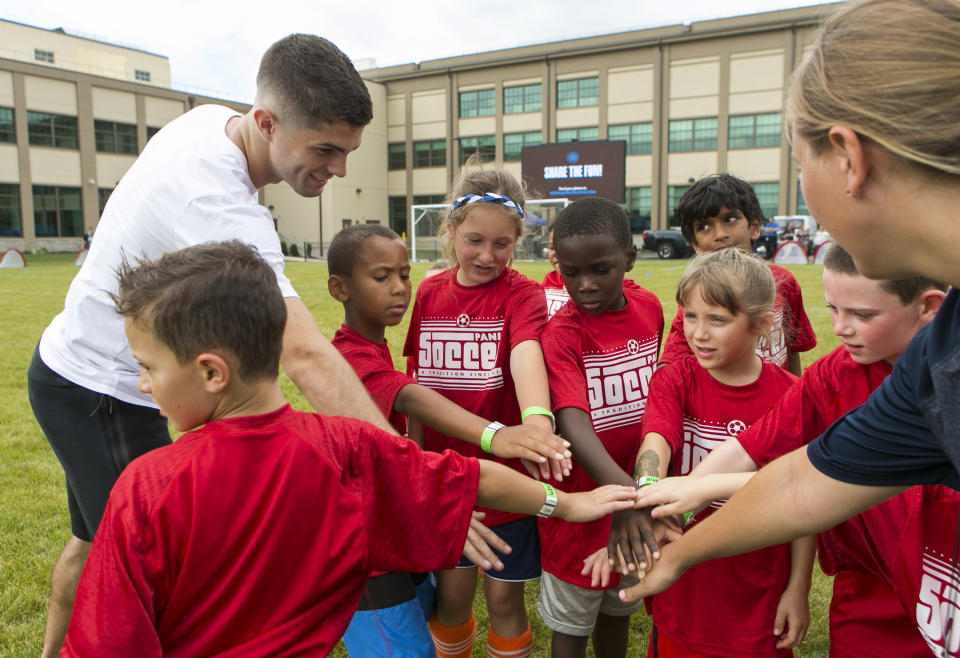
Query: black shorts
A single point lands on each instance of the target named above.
(94, 436)
(523, 562)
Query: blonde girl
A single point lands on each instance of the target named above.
(474, 338)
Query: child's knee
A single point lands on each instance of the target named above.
(504, 599)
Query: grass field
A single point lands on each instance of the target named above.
(34, 525)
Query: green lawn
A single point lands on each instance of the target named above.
(34, 525)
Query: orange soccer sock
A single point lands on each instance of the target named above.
(454, 641)
(509, 647)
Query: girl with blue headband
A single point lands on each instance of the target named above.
(475, 338)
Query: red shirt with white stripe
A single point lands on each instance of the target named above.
(601, 364)
(727, 606)
(791, 330)
(555, 291)
(460, 339)
(866, 616)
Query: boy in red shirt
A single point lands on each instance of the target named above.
(370, 276)
(600, 352)
(875, 320)
(722, 211)
(256, 533)
(553, 287)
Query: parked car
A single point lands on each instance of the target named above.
(667, 244)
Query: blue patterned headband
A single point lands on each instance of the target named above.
(488, 197)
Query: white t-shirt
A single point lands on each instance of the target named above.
(190, 185)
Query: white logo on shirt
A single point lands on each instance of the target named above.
(618, 382)
(556, 298)
(776, 351)
(700, 439)
(460, 354)
(938, 617)
(736, 427)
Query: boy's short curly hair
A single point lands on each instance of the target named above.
(217, 295)
(705, 198)
(593, 216)
(346, 245)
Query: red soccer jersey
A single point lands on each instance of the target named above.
(460, 338)
(829, 388)
(255, 536)
(556, 293)
(791, 331)
(601, 364)
(724, 607)
(374, 366)
(914, 548)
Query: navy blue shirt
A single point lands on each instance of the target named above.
(908, 431)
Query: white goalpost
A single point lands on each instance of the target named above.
(425, 221)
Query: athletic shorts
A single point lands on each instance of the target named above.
(523, 563)
(395, 631)
(572, 610)
(94, 436)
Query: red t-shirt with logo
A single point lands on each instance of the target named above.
(791, 331)
(460, 338)
(727, 606)
(914, 549)
(255, 536)
(374, 366)
(601, 364)
(555, 291)
(866, 617)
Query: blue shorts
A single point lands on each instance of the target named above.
(523, 563)
(397, 631)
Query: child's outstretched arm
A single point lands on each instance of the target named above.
(632, 532)
(542, 450)
(793, 611)
(504, 489)
(530, 381)
(688, 493)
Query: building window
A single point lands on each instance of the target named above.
(113, 137)
(57, 212)
(801, 202)
(397, 155)
(44, 129)
(513, 144)
(478, 103)
(638, 207)
(527, 98)
(638, 136)
(431, 153)
(674, 192)
(398, 214)
(151, 131)
(10, 211)
(428, 199)
(8, 132)
(588, 134)
(584, 92)
(344, 223)
(103, 194)
(693, 135)
(754, 131)
(143, 76)
(485, 147)
(43, 55)
(768, 194)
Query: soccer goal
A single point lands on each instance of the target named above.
(425, 221)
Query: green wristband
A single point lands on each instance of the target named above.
(549, 503)
(487, 437)
(539, 411)
(686, 518)
(647, 479)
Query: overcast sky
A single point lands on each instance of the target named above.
(214, 47)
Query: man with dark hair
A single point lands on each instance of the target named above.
(196, 181)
